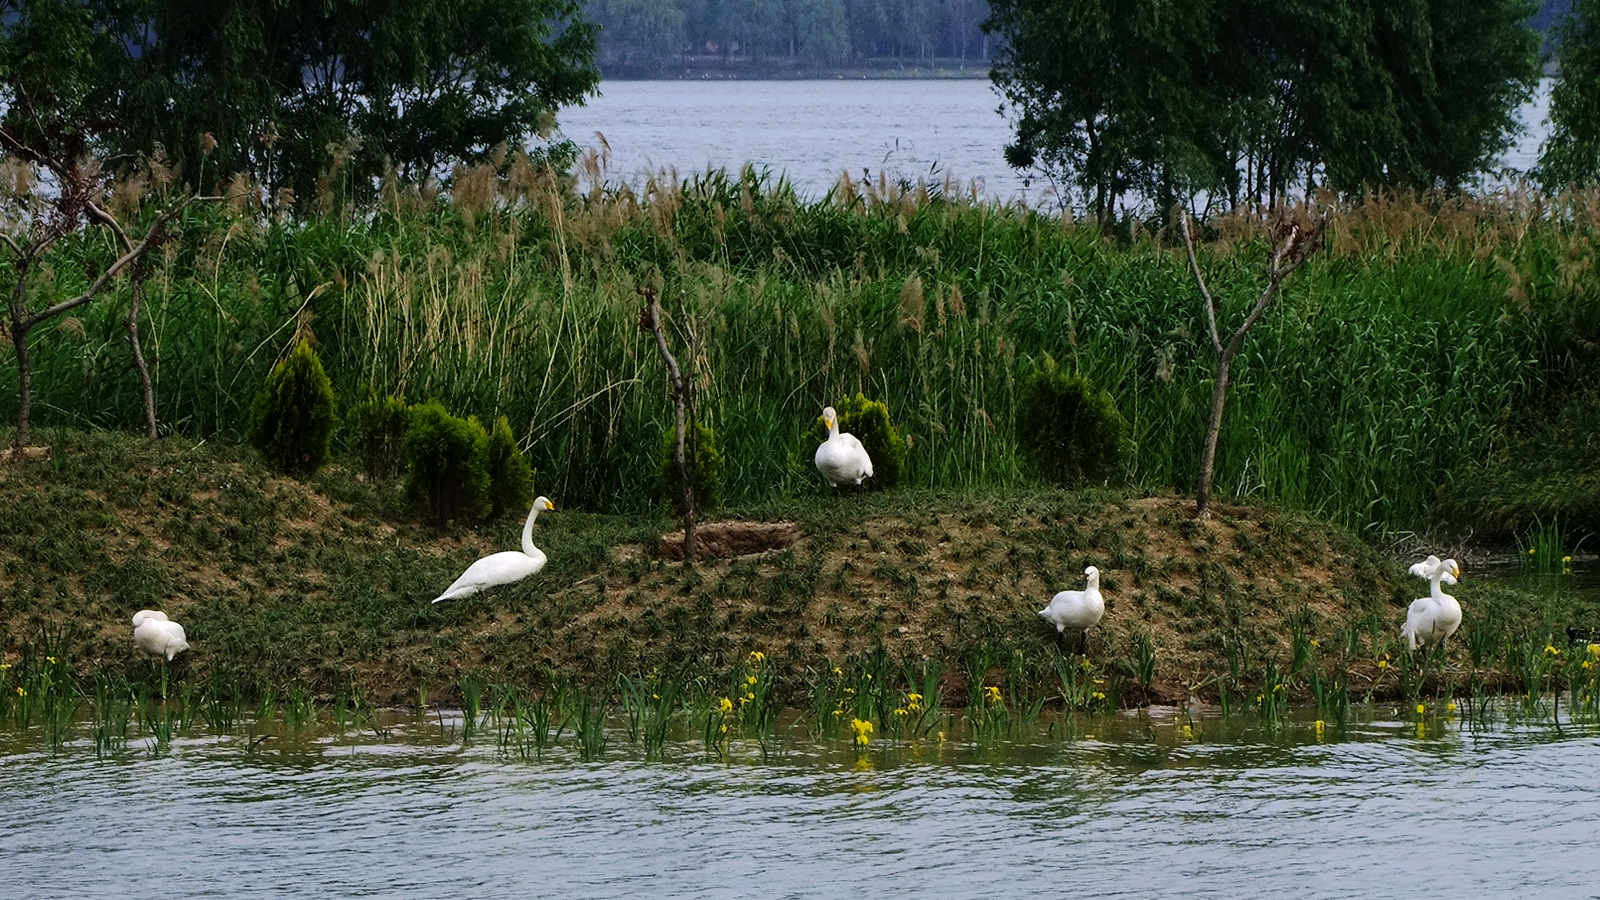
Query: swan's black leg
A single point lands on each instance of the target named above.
(1083, 642)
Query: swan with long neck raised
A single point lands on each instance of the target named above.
(504, 567)
(1438, 615)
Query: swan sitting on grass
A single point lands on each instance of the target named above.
(1437, 616)
(502, 568)
(1077, 609)
(841, 459)
(157, 635)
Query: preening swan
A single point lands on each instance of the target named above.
(158, 636)
(841, 459)
(1077, 609)
(145, 615)
(502, 568)
(1437, 616)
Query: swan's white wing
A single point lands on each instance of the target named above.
(852, 441)
(494, 569)
(148, 615)
(1419, 607)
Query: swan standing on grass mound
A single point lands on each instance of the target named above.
(157, 635)
(1437, 616)
(1077, 609)
(502, 568)
(841, 459)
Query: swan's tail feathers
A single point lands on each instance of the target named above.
(1409, 632)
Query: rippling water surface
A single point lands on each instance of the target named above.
(810, 131)
(1125, 809)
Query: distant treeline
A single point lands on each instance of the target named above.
(644, 38)
(658, 37)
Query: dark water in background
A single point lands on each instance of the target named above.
(811, 131)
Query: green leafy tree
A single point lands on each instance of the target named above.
(293, 415)
(1256, 98)
(291, 89)
(1571, 153)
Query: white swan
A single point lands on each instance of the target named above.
(156, 635)
(841, 459)
(1077, 609)
(502, 568)
(1438, 615)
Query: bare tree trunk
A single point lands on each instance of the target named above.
(683, 403)
(1208, 454)
(19, 338)
(138, 353)
(1292, 245)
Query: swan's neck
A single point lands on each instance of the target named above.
(1434, 590)
(527, 535)
(833, 429)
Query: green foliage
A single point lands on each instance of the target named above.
(1166, 99)
(510, 476)
(869, 421)
(447, 466)
(1070, 429)
(1571, 152)
(418, 84)
(375, 429)
(708, 471)
(292, 419)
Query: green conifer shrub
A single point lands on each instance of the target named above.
(292, 417)
(510, 475)
(869, 421)
(708, 471)
(447, 466)
(376, 431)
(1069, 429)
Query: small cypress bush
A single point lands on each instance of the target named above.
(869, 421)
(447, 465)
(1069, 429)
(708, 473)
(292, 417)
(376, 431)
(510, 476)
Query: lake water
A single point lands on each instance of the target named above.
(811, 131)
(1128, 807)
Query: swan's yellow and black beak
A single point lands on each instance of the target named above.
(1455, 571)
(827, 423)
(550, 505)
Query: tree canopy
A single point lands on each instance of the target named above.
(1247, 99)
(1571, 152)
(286, 87)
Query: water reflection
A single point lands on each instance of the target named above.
(1135, 810)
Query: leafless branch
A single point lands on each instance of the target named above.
(111, 271)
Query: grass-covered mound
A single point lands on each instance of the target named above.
(324, 586)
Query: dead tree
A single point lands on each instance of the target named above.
(1292, 244)
(139, 270)
(40, 224)
(684, 452)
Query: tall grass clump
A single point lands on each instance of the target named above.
(447, 466)
(292, 418)
(1385, 367)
